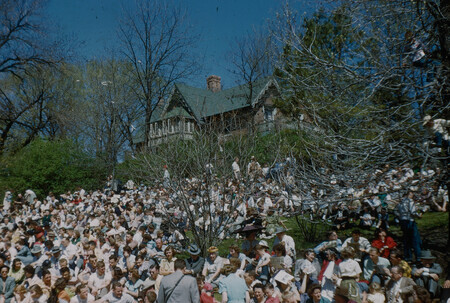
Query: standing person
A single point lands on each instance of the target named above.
(166, 177)
(406, 211)
(178, 287)
(233, 287)
(236, 169)
(288, 241)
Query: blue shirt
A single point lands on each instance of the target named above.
(235, 288)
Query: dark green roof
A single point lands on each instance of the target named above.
(200, 103)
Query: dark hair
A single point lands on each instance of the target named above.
(258, 285)
(280, 247)
(356, 232)
(312, 288)
(330, 232)
(397, 252)
(179, 264)
(60, 284)
(29, 269)
(422, 294)
(45, 272)
(4, 266)
(64, 269)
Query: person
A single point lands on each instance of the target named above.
(207, 293)
(100, 281)
(20, 295)
(349, 274)
(308, 265)
(236, 169)
(248, 245)
(360, 244)
(82, 295)
(36, 294)
(315, 295)
(166, 266)
(332, 241)
(7, 285)
(375, 267)
(396, 259)
(213, 266)
(271, 295)
(383, 242)
(376, 293)
(330, 268)
(427, 273)
(178, 287)
(262, 267)
(195, 263)
(258, 293)
(287, 240)
(280, 252)
(406, 212)
(233, 287)
(116, 295)
(16, 271)
(59, 291)
(134, 284)
(399, 286)
(166, 177)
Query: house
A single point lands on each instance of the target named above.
(230, 111)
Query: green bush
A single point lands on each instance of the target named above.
(45, 166)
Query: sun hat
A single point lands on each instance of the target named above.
(263, 243)
(280, 229)
(213, 249)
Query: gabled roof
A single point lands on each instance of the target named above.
(198, 103)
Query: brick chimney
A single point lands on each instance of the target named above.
(213, 83)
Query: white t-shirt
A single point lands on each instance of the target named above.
(77, 299)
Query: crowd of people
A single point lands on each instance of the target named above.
(132, 245)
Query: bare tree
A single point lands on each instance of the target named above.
(201, 184)
(158, 42)
(110, 107)
(360, 78)
(22, 38)
(35, 103)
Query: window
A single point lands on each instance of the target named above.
(268, 114)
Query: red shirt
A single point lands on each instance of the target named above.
(388, 241)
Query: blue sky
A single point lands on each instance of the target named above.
(219, 22)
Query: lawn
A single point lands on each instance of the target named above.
(431, 223)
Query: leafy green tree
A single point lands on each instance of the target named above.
(45, 166)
